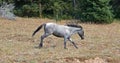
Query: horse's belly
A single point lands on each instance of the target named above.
(58, 34)
(60, 31)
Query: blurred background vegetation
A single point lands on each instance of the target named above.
(96, 11)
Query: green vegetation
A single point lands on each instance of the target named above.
(100, 11)
(96, 11)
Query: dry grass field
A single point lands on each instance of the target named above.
(101, 43)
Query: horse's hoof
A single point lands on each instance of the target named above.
(39, 46)
(65, 48)
(76, 47)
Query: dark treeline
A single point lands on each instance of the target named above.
(97, 11)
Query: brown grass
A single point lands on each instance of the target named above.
(102, 42)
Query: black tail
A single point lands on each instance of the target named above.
(37, 29)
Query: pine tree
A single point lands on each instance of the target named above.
(116, 7)
(97, 11)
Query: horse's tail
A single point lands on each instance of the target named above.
(37, 29)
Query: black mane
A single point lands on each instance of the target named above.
(74, 25)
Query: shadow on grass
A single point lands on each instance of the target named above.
(45, 47)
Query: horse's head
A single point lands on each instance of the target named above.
(81, 33)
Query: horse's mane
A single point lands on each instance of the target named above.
(74, 25)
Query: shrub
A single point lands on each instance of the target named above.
(28, 10)
(96, 11)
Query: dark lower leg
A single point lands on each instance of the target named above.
(40, 45)
(65, 45)
(74, 45)
(42, 38)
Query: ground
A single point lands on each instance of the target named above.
(101, 43)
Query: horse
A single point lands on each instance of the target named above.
(63, 31)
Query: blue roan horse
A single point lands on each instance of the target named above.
(64, 31)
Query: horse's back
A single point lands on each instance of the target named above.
(56, 29)
(50, 23)
(54, 25)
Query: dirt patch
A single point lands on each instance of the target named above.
(77, 60)
(18, 37)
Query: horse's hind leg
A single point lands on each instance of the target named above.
(72, 42)
(42, 38)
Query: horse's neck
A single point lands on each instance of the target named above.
(74, 28)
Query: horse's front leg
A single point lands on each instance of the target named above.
(65, 40)
(72, 42)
